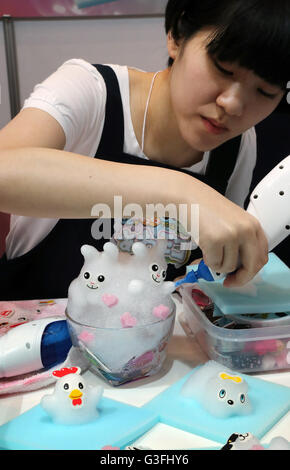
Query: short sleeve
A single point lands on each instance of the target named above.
(75, 95)
(241, 178)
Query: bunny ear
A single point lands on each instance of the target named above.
(161, 246)
(139, 250)
(89, 251)
(111, 250)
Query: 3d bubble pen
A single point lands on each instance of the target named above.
(269, 203)
(35, 345)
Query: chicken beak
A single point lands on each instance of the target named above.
(76, 393)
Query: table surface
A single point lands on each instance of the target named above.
(184, 354)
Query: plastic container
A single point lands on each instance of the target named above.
(121, 355)
(246, 350)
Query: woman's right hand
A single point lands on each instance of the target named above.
(232, 240)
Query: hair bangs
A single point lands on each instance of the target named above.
(260, 43)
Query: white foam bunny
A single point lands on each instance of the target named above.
(120, 290)
(87, 291)
(152, 266)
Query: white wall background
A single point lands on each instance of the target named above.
(43, 45)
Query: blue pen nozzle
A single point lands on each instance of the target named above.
(199, 271)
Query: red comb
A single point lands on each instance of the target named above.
(65, 371)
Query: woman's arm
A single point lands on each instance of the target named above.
(39, 179)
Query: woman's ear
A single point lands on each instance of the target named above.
(172, 46)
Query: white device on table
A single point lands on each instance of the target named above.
(33, 346)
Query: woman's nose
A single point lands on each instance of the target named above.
(232, 100)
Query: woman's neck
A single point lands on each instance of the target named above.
(162, 139)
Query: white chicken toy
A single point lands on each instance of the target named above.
(73, 401)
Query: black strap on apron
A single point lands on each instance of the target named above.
(47, 270)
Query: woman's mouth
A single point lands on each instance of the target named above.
(213, 126)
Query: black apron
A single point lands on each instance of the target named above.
(47, 270)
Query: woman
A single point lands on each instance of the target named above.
(228, 69)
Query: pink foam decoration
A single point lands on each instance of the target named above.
(110, 300)
(127, 320)
(161, 311)
(110, 448)
(86, 336)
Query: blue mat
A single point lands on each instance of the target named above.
(119, 424)
(272, 294)
(270, 403)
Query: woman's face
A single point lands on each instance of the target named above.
(213, 101)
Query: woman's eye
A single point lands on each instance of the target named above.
(221, 69)
(272, 96)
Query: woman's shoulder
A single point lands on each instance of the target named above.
(77, 68)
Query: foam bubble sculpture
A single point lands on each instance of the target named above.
(119, 290)
(220, 391)
(73, 401)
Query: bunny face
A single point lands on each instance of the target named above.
(152, 261)
(92, 280)
(158, 273)
(98, 267)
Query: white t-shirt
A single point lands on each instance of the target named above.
(75, 95)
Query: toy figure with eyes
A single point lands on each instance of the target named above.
(117, 289)
(221, 392)
(95, 296)
(73, 401)
(94, 281)
(151, 266)
(248, 441)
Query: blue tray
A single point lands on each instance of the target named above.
(272, 293)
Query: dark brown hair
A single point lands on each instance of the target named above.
(253, 33)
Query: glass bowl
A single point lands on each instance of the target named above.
(121, 355)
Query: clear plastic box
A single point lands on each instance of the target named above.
(257, 349)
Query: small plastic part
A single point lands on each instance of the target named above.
(198, 271)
